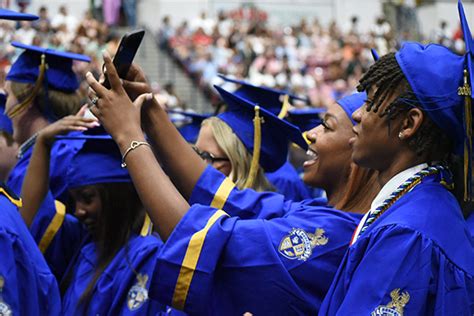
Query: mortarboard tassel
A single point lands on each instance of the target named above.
(465, 91)
(147, 227)
(284, 107)
(257, 142)
(21, 107)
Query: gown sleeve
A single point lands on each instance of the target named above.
(25, 289)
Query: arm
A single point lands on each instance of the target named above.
(181, 163)
(121, 118)
(36, 183)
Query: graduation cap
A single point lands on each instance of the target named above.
(191, 125)
(305, 119)
(270, 99)
(43, 67)
(6, 14)
(5, 122)
(97, 161)
(351, 103)
(442, 81)
(264, 135)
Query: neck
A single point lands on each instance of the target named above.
(398, 164)
(27, 125)
(336, 192)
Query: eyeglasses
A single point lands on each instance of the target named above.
(208, 157)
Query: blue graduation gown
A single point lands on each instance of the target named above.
(287, 182)
(470, 223)
(58, 234)
(416, 259)
(29, 287)
(275, 258)
(118, 290)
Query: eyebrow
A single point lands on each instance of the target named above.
(329, 115)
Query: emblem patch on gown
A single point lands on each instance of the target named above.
(299, 244)
(395, 306)
(5, 309)
(138, 293)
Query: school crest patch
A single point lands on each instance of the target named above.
(5, 309)
(395, 306)
(138, 293)
(299, 244)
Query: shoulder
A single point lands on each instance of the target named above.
(7, 195)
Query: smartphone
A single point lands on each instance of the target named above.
(126, 51)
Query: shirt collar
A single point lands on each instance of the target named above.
(394, 183)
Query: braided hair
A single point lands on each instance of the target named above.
(429, 141)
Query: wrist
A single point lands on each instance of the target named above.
(43, 140)
(124, 140)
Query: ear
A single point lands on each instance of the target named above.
(411, 123)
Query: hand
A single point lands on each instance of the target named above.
(65, 125)
(135, 83)
(119, 116)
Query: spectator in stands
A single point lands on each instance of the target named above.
(64, 18)
(25, 33)
(43, 21)
(130, 10)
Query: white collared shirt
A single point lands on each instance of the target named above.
(386, 191)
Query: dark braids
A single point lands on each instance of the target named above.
(390, 81)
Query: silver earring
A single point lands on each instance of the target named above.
(400, 135)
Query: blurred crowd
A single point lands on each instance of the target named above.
(309, 59)
(61, 31)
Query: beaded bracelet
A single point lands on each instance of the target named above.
(133, 145)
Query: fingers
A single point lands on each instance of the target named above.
(142, 99)
(111, 72)
(98, 89)
(135, 88)
(82, 110)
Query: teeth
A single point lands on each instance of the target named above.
(311, 153)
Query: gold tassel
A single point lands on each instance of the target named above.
(147, 226)
(257, 142)
(285, 106)
(305, 137)
(465, 91)
(21, 107)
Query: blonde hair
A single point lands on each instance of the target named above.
(61, 103)
(238, 155)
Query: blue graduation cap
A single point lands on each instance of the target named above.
(43, 67)
(270, 99)
(263, 134)
(442, 81)
(6, 14)
(305, 119)
(5, 122)
(191, 125)
(351, 103)
(97, 161)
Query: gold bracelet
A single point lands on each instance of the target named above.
(133, 145)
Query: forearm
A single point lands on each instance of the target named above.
(161, 199)
(36, 183)
(182, 164)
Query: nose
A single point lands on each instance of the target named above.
(356, 116)
(311, 135)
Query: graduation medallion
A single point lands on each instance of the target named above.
(138, 294)
(299, 244)
(5, 309)
(395, 306)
